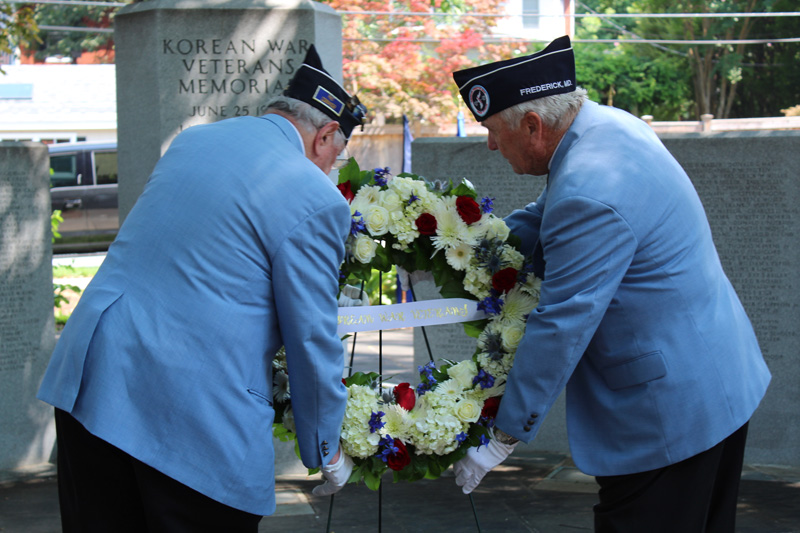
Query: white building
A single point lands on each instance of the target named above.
(58, 103)
(537, 20)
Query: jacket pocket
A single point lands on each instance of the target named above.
(642, 369)
(260, 395)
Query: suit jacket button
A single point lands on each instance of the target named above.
(324, 454)
(324, 442)
(534, 415)
(527, 428)
(531, 421)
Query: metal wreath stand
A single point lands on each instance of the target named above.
(380, 373)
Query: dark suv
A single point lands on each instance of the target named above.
(83, 179)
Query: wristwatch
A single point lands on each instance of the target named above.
(503, 437)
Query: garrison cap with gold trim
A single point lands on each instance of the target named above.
(313, 85)
(491, 88)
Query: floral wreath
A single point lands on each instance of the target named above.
(418, 432)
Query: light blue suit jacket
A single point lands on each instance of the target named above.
(232, 250)
(636, 316)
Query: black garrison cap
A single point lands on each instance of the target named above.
(313, 85)
(491, 88)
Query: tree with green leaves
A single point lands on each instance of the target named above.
(17, 26)
(73, 43)
(717, 70)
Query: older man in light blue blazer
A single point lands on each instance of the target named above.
(162, 378)
(636, 317)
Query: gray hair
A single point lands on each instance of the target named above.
(307, 117)
(557, 111)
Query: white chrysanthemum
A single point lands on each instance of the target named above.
(288, 420)
(449, 387)
(478, 230)
(280, 386)
(368, 195)
(459, 256)
(363, 248)
(533, 287)
(377, 219)
(397, 422)
(451, 230)
(517, 305)
(463, 372)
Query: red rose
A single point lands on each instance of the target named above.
(401, 459)
(490, 407)
(468, 209)
(426, 224)
(404, 396)
(504, 280)
(347, 191)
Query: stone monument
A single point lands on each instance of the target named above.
(187, 62)
(748, 183)
(27, 329)
(182, 63)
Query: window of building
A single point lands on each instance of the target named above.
(530, 7)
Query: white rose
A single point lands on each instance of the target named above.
(468, 410)
(497, 228)
(511, 336)
(463, 372)
(377, 220)
(364, 249)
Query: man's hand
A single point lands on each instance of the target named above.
(336, 475)
(352, 296)
(478, 461)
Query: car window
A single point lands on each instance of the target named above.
(105, 167)
(64, 170)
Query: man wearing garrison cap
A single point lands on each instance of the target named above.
(162, 379)
(636, 317)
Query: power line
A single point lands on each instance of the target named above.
(482, 15)
(494, 40)
(573, 15)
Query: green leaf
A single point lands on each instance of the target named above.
(350, 172)
(475, 327)
(465, 188)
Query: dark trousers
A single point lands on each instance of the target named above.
(697, 495)
(102, 489)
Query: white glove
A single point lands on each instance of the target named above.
(478, 461)
(335, 474)
(352, 296)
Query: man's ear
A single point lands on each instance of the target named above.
(325, 137)
(532, 124)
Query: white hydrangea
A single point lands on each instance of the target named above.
(357, 440)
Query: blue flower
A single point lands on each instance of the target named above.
(357, 224)
(386, 448)
(413, 198)
(381, 176)
(375, 422)
(484, 379)
(484, 441)
(492, 305)
(461, 437)
(487, 204)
